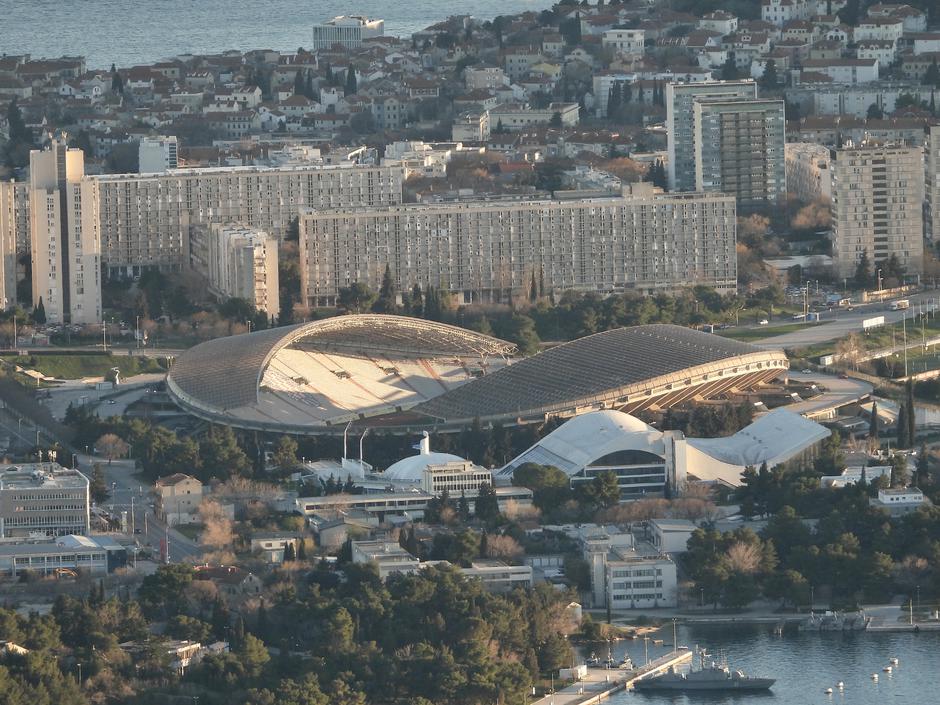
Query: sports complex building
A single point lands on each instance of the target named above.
(407, 375)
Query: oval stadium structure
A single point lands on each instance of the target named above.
(407, 375)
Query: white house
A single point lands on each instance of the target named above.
(625, 41)
(844, 70)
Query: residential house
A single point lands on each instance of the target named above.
(231, 581)
(178, 497)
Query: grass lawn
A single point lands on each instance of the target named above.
(761, 332)
(78, 366)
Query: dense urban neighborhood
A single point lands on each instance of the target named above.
(427, 369)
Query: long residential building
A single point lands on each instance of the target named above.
(80, 228)
(877, 206)
(489, 251)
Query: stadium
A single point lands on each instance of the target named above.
(407, 375)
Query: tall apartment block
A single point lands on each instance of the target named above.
(347, 31)
(43, 499)
(877, 206)
(64, 243)
(239, 262)
(488, 251)
(739, 149)
(157, 155)
(932, 183)
(14, 236)
(680, 123)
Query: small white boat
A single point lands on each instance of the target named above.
(874, 676)
(887, 669)
(828, 691)
(840, 685)
(894, 661)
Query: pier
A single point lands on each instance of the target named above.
(601, 683)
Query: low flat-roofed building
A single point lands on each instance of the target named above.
(43, 499)
(853, 474)
(60, 556)
(498, 576)
(387, 555)
(332, 527)
(271, 545)
(900, 501)
(670, 535)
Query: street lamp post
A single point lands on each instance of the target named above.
(879, 285)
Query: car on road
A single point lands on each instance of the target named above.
(763, 322)
(843, 376)
(111, 401)
(138, 531)
(807, 371)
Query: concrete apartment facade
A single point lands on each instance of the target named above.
(240, 262)
(739, 149)
(80, 228)
(931, 183)
(680, 123)
(877, 206)
(64, 235)
(43, 499)
(809, 172)
(488, 251)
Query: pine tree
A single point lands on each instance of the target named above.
(902, 438)
(910, 414)
(533, 289)
(261, 626)
(613, 100)
(117, 83)
(39, 313)
(873, 428)
(769, 79)
(351, 83)
(863, 271)
(463, 507)
(290, 554)
(299, 82)
(309, 90)
(417, 301)
(484, 545)
(238, 633)
(922, 479)
(386, 303)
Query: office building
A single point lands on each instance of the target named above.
(809, 176)
(739, 149)
(240, 262)
(64, 236)
(347, 31)
(489, 251)
(877, 206)
(389, 556)
(680, 123)
(64, 556)
(157, 155)
(634, 581)
(43, 499)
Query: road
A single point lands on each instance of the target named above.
(839, 392)
(82, 392)
(841, 322)
(125, 486)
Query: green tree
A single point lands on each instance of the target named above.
(486, 505)
(356, 298)
(899, 474)
(39, 313)
(98, 488)
(117, 83)
(932, 75)
(387, 299)
(769, 78)
(729, 70)
(299, 82)
(351, 83)
(550, 486)
(285, 452)
(875, 112)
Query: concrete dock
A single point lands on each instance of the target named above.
(601, 683)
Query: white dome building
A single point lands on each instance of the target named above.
(411, 469)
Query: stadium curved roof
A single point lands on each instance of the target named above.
(409, 375)
(226, 373)
(623, 368)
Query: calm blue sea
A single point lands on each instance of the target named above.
(129, 32)
(805, 664)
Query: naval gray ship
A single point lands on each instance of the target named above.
(712, 676)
